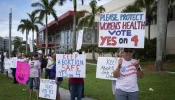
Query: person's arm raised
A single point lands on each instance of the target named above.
(116, 72)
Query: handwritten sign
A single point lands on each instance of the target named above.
(105, 67)
(80, 39)
(71, 65)
(48, 89)
(122, 30)
(22, 72)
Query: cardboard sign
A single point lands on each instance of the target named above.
(22, 72)
(48, 89)
(122, 30)
(105, 67)
(71, 65)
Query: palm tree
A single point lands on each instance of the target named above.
(25, 26)
(161, 29)
(61, 2)
(17, 43)
(45, 8)
(34, 21)
(89, 20)
(131, 8)
(150, 6)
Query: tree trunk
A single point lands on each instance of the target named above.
(33, 40)
(74, 27)
(149, 27)
(93, 43)
(164, 50)
(161, 29)
(26, 42)
(46, 38)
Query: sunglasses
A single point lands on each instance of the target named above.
(131, 51)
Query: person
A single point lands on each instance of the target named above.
(76, 87)
(58, 80)
(2, 62)
(49, 65)
(118, 55)
(7, 70)
(34, 74)
(19, 56)
(42, 60)
(127, 71)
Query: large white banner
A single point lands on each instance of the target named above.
(47, 89)
(80, 39)
(105, 67)
(122, 30)
(31, 45)
(71, 65)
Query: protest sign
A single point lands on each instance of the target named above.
(105, 67)
(47, 89)
(122, 30)
(22, 72)
(80, 39)
(7, 63)
(71, 65)
(13, 62)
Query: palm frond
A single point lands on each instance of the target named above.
(38, 4)
(53, 12)
(53, 3)
(61, 2)
(42, 15)
(100, 9)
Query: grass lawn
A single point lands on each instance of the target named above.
(100, 89)
(162, 84)
(9, 91)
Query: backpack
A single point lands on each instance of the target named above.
(44, 63)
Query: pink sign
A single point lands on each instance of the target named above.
(22, 72)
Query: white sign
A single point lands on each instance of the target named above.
(48, 89)
(13, 62)
(31, 45)
(122, 30)
(80, 39)
(7, 63)
(105, 67)
(71, 65)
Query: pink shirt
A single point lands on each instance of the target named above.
(34, 68)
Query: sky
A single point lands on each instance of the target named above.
(20, 8)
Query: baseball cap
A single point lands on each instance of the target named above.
(40, 51)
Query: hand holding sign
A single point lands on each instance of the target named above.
(120, 61)
(136, 63)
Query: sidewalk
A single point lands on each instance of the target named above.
(64, 93)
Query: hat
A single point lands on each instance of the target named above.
(33, 54)
(40, 51)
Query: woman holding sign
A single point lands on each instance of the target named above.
(35, 70)
(127, 71)
(58, 80)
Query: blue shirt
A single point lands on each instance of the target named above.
(53, 73)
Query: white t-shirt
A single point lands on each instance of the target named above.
(127, 81)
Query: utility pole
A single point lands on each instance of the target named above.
(10, 27)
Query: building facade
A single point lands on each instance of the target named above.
(1, 44)
(60, 36)
(6, 45)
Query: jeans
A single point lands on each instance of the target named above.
(76, 87)
(47, 73)
(14, 75)
(122, 95)
(2, 67)
(35, 79)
